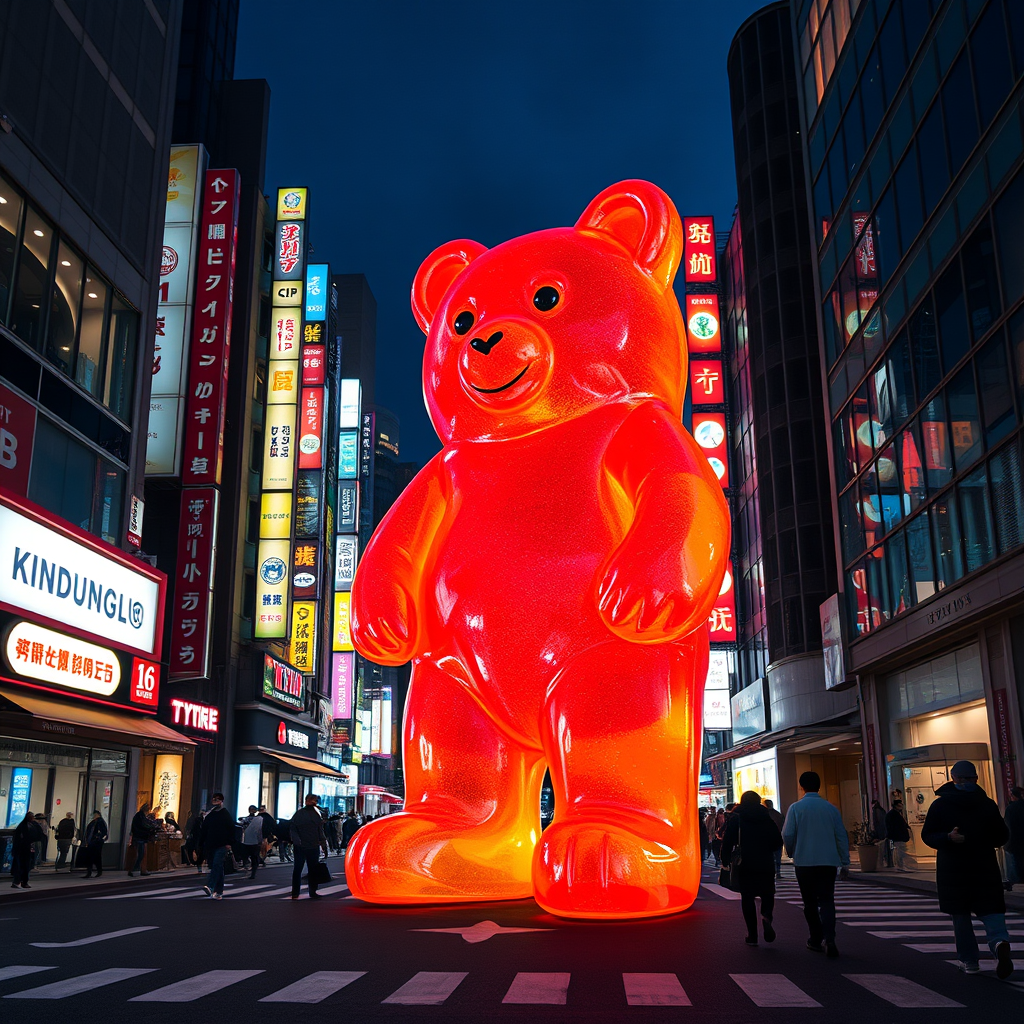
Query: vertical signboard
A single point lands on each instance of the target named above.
(699, 252)
(17, 434)
(703, 324)
(318, 283)
(722, 620)
(174, 309)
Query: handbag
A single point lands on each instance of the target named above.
(319, 872)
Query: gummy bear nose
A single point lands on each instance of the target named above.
(485, 346)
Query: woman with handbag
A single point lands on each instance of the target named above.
(748, 850)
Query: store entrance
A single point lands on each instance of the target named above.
(107, 795)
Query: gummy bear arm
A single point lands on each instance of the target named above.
(390, 578)
(661, 581)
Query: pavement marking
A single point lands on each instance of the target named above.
(188, 894)
(481, 931)
(537, 989)
(427, 988)
(248, 889)
(901, 992)
(990, 965)
(137, 895)
(720, 890)
(250, 895)
(654, 990)
(96, 938)
(907, 915)
(773, 990)
(944, 933)
(190, 989)
(18, 971)
(83, 983)
(323, 892)
(943, 947)
(314, 988)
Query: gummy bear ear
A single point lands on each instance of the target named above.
(436, 274)
(641, 218)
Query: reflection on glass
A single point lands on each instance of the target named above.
(881, 405)
(900, 380)
(935, 444)
(946, 535)
(29, 307)
(908, 446)
(871, 513)
(899, 578)
(925, 348)
(856, 600)
(878, 588)
(965, 426)
(890, 489)
(108, 501)
(120, 375)
(90, 343)
(1008, 498)
(64, 304)
(919, 549)
(10, 214)
(996, 389)
(849, 518)
(976, 517)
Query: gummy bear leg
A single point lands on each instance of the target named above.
(622, 733)
(472, 805)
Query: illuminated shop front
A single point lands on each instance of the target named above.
(80, 630)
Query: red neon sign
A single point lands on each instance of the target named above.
(699, 251)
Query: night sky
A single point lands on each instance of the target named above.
(417, 122)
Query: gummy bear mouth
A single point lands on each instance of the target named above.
(504, 387)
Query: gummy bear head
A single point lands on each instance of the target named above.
(554, 324)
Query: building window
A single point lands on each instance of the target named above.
(90, 339)
(65, 308)
(122, 346)
(31, 293)
(10, 216)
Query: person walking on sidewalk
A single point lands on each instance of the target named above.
(308, 838)
(252, 839)
(66, 831)
(816, 839)
(26, 835)
(898, 832)
(878, 831)
(1015, 847)
(143, 831)
(965, 827)
(95, 836)
(780, 822)
(751, 839)
(215, 840)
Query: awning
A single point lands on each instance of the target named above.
(306, 765)
(133, 730)
(799, 735)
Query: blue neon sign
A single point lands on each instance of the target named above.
(318, 286)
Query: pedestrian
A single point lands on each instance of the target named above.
(816, 839)
(898, 833)
(282, 830)
(349, 829)
(702, 829)
(191, 846)
(39, 846)
(269, 830)
(95, 836)
(66, 832)
(26, 836)
(142, 831)
(780, 821)
(308, 839)
(252, 838)
(749, 845)
(717, 834)
(215, 840)
(878, 831)
(965, 827)
(1015, 847)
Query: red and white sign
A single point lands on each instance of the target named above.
(211, 330)
(706, 387)
(195, 716)
(193, 587)
(311, 428)
(314, 360)
(699, 251)
(709, 432)
(145, 683)
(703, 324)
(722, 620)
(17, 432)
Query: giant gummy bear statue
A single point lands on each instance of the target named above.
(550, 574)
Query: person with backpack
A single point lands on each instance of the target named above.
(748, 850)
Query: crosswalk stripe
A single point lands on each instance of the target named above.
(536, 988)
(250, 895)
(901, 992)
(720, 890)
(324, 892)
(990, 965)
(248, 889)
(654, 990)
(941, 933)
(932, 947)
(314, 988)
(90, 939)
(190, 989)
(773, 990)
(188, 894)
(19, 971)
(906, 914)
(427, 988)
(81, 983)
(139, 895)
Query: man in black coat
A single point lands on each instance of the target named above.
(966, 828)
(349, 828)
(215, 841)
(1015, 847)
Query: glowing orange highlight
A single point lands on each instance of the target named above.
(550, 573)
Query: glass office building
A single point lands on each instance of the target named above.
(912, 122)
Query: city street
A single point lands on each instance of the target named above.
(163, 944)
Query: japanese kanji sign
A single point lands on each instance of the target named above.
(211, 330)
(722, 620)
(310, 428)
(706, 387)
(313, 364)
(699, 249)
(193, 584)
(303, 649)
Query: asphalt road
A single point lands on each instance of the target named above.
(258, 952)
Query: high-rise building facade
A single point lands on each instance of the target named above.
(912, 124)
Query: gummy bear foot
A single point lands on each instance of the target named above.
(589, 869)
(412, 858)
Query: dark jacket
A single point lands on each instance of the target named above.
(896, 827)
(758, 838)
(777, 817)
(307, 828)
(142, 828)
(967, 874)
(878, 821)
(27, 833)
(218, 830)
(269, 825)
(96, 832)
(65, 830)
(1015, 823)
(348, 829)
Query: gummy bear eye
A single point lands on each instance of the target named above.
(546, 298)
(463, 322)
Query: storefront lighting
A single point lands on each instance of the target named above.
(65, 263)
(37, 233)
(93, 295)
